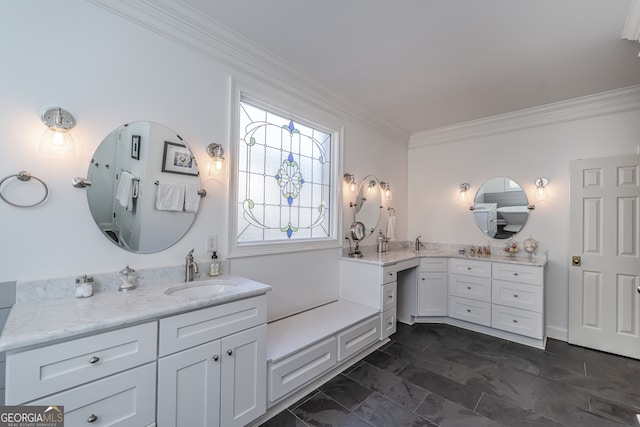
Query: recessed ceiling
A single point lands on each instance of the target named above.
(424, 64)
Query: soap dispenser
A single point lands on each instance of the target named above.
(214, 267)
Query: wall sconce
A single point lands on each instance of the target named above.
(463, 194)
(350, 179)
(387, 190)
(216, 167)
(372, 184)
(541, 193)
(56, 142)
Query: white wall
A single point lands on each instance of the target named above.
(522, 147)
(108, 71)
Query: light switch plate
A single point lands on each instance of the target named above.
(211, 243)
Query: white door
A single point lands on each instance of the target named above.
(604, 286)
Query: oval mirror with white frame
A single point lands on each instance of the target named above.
(368, 203)
(144, 183)
(500, 208)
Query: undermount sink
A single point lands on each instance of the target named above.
(205, 288)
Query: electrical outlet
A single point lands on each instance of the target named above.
(211, 243)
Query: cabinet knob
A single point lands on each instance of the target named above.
(468, 310)
(469, 287)
(215, 357)
(426, 279)
(390, 323)
(515, 274)
(515, 321)
(515, 295)
(92, 418)
(468, 268)
(94, 360)
(390, 296)
(229, 352)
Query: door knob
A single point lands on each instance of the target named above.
(576, 261)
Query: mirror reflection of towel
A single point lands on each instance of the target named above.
(170, 197)
(191, 198)
(124, 194)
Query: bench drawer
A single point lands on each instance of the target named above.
(470, 310)
(125, 399)
(41, 371)
(358, 337)
(477, 288)
(518, 321)
(188, 330)
(299, 369)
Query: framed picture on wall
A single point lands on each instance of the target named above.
(177, 158)
(135, 147)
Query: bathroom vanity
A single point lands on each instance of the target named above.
(106, 358)
(497, 295)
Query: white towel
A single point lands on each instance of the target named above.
(170, 197)
(124, 194)
(391, 228)
(191, 198)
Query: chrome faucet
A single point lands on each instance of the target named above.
(190, 267)
(418, 244)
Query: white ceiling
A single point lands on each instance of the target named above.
(424, 64)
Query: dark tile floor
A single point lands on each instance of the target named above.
(439, 375)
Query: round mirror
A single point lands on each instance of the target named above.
(145, 184)
(368, 204)
(500, 208)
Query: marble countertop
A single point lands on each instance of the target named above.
(396, 256)
(46, 321)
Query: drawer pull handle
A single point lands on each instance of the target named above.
(469, 287)
(426, 279)
(515, 321)
(215, 357)
(515, 274)
(92, 418)
(468, 268)
(229, 352)
(390, 296)
(94, 360)
(390, 323)
(468, 310)
(390, 274)
(515, 295)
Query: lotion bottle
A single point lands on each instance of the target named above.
(214, 267)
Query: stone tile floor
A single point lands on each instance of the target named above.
(440, 375)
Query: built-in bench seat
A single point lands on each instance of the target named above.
(307, 346)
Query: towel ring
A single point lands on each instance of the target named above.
(24, 176)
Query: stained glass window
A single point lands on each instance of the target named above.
(284, 178)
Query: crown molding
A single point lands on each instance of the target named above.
(609, 102)
(186, 26)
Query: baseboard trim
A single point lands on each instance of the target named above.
(557, 333)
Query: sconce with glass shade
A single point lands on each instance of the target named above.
(350, 179)
(541, 193)
(56, 142)
(463, 193)
(387, 190)
(217, 165)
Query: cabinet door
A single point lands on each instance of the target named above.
(189, 387)
(244, 377)
(433, 294)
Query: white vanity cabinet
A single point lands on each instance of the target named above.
(212, 365)
(470, 290)
(433, 295)
(374, 286)
(106, 379)
(518, 299)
